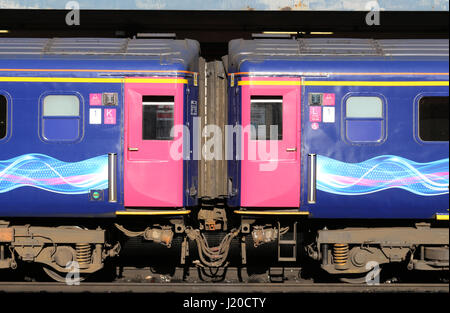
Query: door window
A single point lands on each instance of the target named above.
(267, 112)
(157, 117)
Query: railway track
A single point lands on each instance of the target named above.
(208, 288)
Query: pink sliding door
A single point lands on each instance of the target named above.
(153, 178)
(271, 160)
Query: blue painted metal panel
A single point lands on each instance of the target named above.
(348, 186)
(59, 176)
(357, 65)
(191, 161)
(88, 64)
(362, 194)
(234, 164)
(342, 5)
(42, 178)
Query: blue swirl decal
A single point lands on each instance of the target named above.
(382, 173)
(46, 173)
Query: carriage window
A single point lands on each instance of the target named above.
(265, 113)
(364, 107)
(61, 106)
(157, 117)
(3, 116)
(365, 119)
(433, 119)
(61, 120)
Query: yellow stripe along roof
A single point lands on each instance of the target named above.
(241, 83)
(94, 80)
(94, 71)
(342, 83)
(336, 74)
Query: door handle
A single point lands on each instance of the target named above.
(133, 149)
(291, 150)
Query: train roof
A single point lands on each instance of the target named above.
(260, 54)
(168, 53)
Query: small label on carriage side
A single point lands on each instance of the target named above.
(95, 116)
(194, 108)
(96, 195)
(315, 114)
(329, 99)
(329, 115)
(195, 79)
(95, 99)
(110, 117)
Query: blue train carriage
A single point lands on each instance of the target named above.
(363, 139)
(85, 132)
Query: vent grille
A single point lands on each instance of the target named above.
(342, 47)
(90, 46)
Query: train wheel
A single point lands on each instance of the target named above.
(365, 278)
(356, 279)
(64, 277)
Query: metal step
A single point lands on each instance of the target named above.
(290, 242)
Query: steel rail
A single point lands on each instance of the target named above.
(205, 288)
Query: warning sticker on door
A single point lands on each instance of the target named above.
(329, 115)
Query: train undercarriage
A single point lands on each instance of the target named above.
(213, 239)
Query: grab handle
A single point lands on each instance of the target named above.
(112, 176)
(312, 178)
